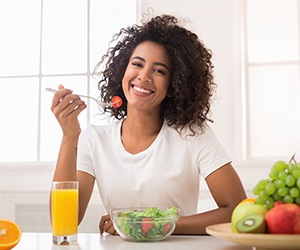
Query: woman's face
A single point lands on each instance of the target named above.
(147, 76)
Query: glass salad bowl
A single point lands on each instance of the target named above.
(144, 224)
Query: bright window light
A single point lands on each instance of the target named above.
(45, 43)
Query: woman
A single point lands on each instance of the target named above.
(160, 143)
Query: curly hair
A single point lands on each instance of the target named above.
(191, 82)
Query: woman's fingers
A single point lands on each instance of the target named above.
(106, 225)
(72, 105)
(64, 100)
(104, 219)
(66, 107)
(59, 96)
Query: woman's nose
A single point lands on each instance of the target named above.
(144, 76)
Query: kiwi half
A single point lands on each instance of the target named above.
(254, 223)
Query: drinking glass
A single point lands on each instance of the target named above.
(64, 210)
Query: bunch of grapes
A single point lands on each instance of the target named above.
(283, 185)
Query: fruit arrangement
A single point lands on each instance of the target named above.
(276, 209)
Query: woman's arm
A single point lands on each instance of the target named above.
(66, 107)
(227, 191)
(86, 186)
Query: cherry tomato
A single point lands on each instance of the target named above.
(116, 101)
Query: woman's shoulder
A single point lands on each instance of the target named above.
(190, 133)
(198, 138)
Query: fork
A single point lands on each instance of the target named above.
(100, 103)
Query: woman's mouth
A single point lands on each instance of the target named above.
(141, 90)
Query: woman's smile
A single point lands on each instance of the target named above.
(141, 90)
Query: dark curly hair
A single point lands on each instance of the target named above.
(191, 81)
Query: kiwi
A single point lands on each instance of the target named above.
(254, 223)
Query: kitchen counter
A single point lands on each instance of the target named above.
(43, 241)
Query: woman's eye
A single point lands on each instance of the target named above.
(137, 64)
(160, 71)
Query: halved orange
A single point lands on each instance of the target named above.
(10, 234)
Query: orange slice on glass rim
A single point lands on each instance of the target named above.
(10, 234)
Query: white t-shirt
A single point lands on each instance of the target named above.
(164, 175)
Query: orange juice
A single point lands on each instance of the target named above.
(64, 211)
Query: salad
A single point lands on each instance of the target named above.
(145, 224)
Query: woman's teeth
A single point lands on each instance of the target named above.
(145, 91)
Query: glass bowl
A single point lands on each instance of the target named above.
(144, 224)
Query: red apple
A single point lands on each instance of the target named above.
(283, 219)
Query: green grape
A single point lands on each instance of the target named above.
(290, 180)
(270, 203)
(283, 191)
(282, 175)
(294, 192)
(297, 200)
(263, 195)
(283, 185)
(276, 196)
(270, 188)
(291, 168)
(262, 183)
(256, 190)
(279, 183)
(273, 174)
(296, 173)
(280, 166)
(259, 201)
(298, 183)
(288, 199)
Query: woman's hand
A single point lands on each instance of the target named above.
(106, 225)
(66, 107)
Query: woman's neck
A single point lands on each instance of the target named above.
(139, 131)
(140, 122)
(136, 126)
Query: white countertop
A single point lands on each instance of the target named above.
(43, 241)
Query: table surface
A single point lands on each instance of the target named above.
(43, 241)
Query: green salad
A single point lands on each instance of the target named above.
(148, 224)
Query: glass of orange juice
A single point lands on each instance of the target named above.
(64, 210)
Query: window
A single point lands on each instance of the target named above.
(272, 79)
(45, 43)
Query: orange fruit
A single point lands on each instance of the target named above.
(10, 234)
(248, 200)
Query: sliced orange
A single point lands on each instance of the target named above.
(10, 234)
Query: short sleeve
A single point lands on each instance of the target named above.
(211, 155)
